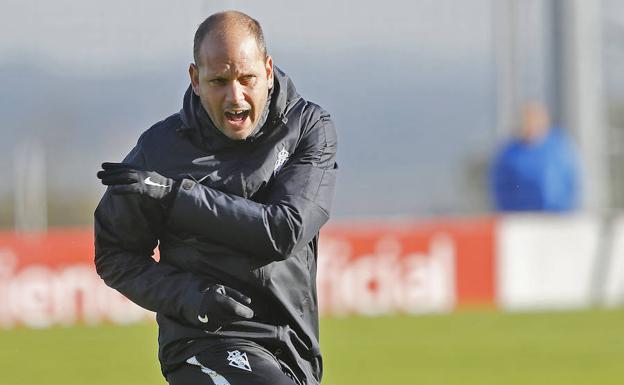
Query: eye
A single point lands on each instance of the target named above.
(247, 80)
(217, 82)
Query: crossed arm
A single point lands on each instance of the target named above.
(297, 206)
(127, 226)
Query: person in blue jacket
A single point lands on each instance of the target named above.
(537, 171)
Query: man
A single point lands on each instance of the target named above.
(538, 170)
(234, 189)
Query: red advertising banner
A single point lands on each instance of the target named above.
(414, 267)
(364, 268)
(49, 279)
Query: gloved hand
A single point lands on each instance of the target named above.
(125, 179)
(221, 306)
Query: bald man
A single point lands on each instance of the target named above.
(234, 190)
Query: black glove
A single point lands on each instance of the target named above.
(221, 306)
(125, 179)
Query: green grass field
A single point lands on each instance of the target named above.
(475, 347)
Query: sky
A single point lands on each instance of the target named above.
(93, 35)
(410, 86)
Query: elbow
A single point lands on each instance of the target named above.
(286, 249)
(100, 261)
(285, 239)
(285, 228)
(292, 230)
(105, 267)
(114, 267)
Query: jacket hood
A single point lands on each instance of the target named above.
(200, 129)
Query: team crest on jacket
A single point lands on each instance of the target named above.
(282, 157)
(238, 360)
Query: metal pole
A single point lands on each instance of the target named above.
(582, 95)
(30, 195)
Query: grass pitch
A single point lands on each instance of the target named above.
(476, 347)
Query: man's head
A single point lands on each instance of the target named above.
(535, 122)
(232, 73)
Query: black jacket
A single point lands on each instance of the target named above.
(247, 215)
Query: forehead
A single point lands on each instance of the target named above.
(220, 53)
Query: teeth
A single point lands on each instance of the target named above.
(236, 112)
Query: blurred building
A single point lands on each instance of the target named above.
(422, 92)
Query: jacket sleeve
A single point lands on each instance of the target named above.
(126, 233)
(297, 205)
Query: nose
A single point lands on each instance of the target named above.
(234, 93)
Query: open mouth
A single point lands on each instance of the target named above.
(236, 117)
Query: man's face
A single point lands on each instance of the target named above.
(232, 79)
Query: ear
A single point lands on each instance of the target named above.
(268, 65)
(194, 74)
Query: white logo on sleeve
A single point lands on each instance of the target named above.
(238, 360)
(282, 157)
(150, 182)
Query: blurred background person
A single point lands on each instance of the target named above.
(538, 169)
